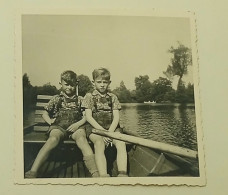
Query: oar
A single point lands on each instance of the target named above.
(148, 143)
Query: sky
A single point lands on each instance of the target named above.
(128, 46)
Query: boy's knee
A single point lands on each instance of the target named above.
(99, 144)
(80, 140)
(74, 136)
(54, 140)
(120, 145)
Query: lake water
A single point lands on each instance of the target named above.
(169, 123)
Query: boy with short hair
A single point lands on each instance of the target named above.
(102, 112)
(65, 117)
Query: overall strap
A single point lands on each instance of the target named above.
(110, 102)
(109, 99)
(60, 101)
(95, 102)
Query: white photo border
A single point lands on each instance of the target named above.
(18, 97)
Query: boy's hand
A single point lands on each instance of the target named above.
(53, 120)
(107, 141)
(73, 127)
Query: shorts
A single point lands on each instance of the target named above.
(66, 133)
(89, 127)
(64, 119)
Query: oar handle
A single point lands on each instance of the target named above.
(149, 143)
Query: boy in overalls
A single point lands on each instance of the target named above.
(65, 117)
(102, 112)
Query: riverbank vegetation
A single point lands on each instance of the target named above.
(160, 90)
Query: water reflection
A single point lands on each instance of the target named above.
(170, 123)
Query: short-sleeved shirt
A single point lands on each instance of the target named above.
(66, 110)
(102, 107)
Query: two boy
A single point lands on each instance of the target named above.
(64, 113)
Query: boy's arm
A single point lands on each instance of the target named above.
(75, 126)
(95, 124)
(47, 118)
(115, 121)
(91, 120)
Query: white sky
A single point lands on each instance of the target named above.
(128, 46)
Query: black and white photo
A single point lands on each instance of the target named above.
(108, 98)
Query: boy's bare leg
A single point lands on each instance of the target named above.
(121, 156)
(54, 138)
(99, 147)
(80, 138)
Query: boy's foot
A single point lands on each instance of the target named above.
(105, 175)
(96, 174)
(91, 165)
(122, 174)
(31, 174)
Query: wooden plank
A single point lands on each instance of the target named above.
(43, 169)
(115, 169)
(186, 164)
(56, 169)
(41, 128)
(81, 170)
(69, 141)
(44, 97)
(158, 164)
(41, 104)
(39, 119)
(69, 171)
(50, 169)
(87, 173)
(62, 170)
(136, 169)
(39, 112)
(146, 162)
(168, 167)
(75, 170)
(149, 143)
(35, 137)
(41, 137)
(145, 156)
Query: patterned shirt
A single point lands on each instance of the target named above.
(64, 103)
(102, 107)
(101, 103)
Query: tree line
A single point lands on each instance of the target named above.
(160, 90)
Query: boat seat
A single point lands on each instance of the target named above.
(36, 133)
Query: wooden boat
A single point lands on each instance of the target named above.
(145, 157)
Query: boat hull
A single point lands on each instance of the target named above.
(66, 162)
(144, 162)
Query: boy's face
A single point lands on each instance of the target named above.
(101, 85)
(67, 88)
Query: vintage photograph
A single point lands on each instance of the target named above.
(108, 99)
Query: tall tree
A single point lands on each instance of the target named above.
(85, 85)
(123, 94)
(162, 90)
(27, 94)
(143, 88)
(181, 96)
(190, 93)
(26, 81)
(182, 58)
(47, 89)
